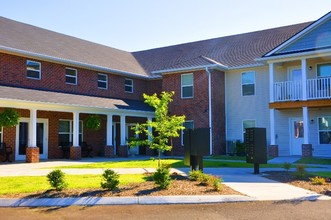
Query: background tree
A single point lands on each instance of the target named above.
(163, 128)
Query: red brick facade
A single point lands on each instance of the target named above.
(13, 73)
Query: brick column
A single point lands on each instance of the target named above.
(273, 151)
(123, 151)
(75, 153)
(32, 154)
(109, 151)
(307, 150)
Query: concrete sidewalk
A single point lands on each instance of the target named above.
(253, 187)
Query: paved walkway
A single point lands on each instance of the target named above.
(254, 187)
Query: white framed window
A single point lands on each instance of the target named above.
(102, 81)
(66, 131)
(248, 83)
(249, 123)
(71, 76)
(324, 70)
(33, 69)
(187, 89)
(128, 85)
(324, 130)
(188, 125)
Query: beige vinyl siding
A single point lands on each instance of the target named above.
(254, 107)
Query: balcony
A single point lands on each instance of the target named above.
(292, 90)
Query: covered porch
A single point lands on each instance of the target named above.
(49, 119)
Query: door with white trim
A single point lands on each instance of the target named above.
(296, 135)
(22, 138)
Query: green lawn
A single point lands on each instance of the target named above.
(314, 160)
(35, 184)
(225, 157)
(174, 163)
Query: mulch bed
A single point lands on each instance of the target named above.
(305, 183)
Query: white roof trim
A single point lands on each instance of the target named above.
(187, 69)
(300, 34)
(71, 62)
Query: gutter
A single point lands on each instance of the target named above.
(175, 70)
(210, 112)
(73, 63)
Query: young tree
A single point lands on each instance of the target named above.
(164, 127)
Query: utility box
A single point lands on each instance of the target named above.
(196, 145)
(256, 147)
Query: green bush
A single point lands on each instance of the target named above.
(317, 180)
(195, 175)
(240, 148)
(300, 171)
(162, 177)
(287, 166)
(56, 179)
(215, 182)
(110, 179)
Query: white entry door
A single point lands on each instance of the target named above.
(22, 138)
(296, 135)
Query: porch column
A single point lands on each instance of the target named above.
(271, 82)
(110, 149)
(304, 79)
(32, 151)
(75, 150)
(123, 150)
(307, 150)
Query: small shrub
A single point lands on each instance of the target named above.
(287, 166)
(195, 175)
(110, 180)
(215, 182)
(56, 180)
(162, 177)
(300, 171)
(317, 180)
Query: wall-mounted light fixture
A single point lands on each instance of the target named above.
(311, 121)
(310, 67)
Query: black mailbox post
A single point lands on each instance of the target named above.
(256, 147)
(196, 145)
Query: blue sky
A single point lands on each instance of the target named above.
(133, 25)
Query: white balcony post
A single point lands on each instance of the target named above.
(272, 127)
(33, 128)
(109, 130)
(304, 79)
(271, 82)
(75, 129)
(305, 125)
(123, 132)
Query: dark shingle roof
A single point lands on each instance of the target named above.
(37, 40)
(46, 97)
(232, 51)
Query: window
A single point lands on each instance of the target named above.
(66, 131)
(324, 70)
(248, 83)
(324, 129)
(71, 76)
(1, 137)
(187, 125)
(102, 81)
(128, 85)
(187, 85)
(248, 124)
(33, 69)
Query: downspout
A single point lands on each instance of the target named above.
(210, 112)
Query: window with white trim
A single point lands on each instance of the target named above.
(324, 70)
(248, 83)
(187, 125)
(33, 69)
(66, 131)
(71, 76)
(187, 85)
(128, 85)
(102, 81)
(324, 130)
(248, 124)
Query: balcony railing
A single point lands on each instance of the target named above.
(292, 90)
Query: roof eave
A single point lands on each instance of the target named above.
(194, 68)
(71, 62)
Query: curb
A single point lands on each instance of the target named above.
(138, 200)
